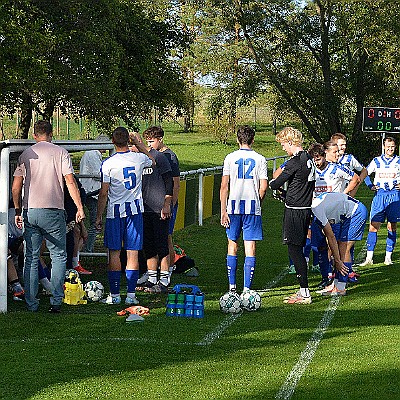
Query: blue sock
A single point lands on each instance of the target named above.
(114, 279)
(391, 241)
(231, 266)
(132, 277)
(324, 265)
(344, 278)
(371, 240)
(249, 266)
(307, 248)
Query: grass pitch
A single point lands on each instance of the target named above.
(280, 351)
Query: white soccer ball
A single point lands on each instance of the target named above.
(230, 303)
(250, 300)
(94, 290)
(71, 275)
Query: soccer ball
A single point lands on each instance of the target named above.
(71, 276)
(250, 300)
(229, 303)
(94, 290)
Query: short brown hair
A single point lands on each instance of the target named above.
(120, 136)
(154, 132)
(316, 149)
(42, 128)
(337, 136)
(245, 134)
(329, 144)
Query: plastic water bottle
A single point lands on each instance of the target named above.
(170, 310)
(198, 308)
(189, 305)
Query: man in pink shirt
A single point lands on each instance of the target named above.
(40, 175)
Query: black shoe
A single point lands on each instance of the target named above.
(56, 309)
(324, 283)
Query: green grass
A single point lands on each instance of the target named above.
(88, 352)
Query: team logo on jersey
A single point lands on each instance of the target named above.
(323, 189)
(387, 175)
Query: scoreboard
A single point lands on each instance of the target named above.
(381, 119)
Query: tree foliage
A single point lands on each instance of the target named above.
(326, 59)
(101, 60)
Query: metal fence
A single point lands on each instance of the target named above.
(199, 198)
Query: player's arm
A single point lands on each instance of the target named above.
(101, 204)
(263, 188)
(223, 197)
(16, 191)
(279, 181)
(277, 172)
(75, 195)
(177, 185)
(333, 245)
(363, 174)
(352, 187)
(138, 143)
(169, 189)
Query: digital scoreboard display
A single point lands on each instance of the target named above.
(381, 119)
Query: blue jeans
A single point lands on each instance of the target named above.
(91, 204)
(49, 224)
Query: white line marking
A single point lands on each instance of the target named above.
(287, 389)
(217, 332)
(230, 319)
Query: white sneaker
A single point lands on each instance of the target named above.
(388, 261)
(368, 261)
(327, 290)
(111, 299)
(131, 301)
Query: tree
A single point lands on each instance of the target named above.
(321, 59)
(101, 60)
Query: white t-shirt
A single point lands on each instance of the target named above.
(333, 207)
(90, 165)
(387, 171)
(245, 169)
(123, 171)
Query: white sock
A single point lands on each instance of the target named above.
(341, 286)
(152, 276)
(75, 261)
(131, 295)
(388, 255)
(370, 254)
(164, 278)
(305, 292)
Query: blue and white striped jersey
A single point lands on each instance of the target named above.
(245, 168)
(387, 171)
(123, 172)
(350, 162)
(333, 178)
